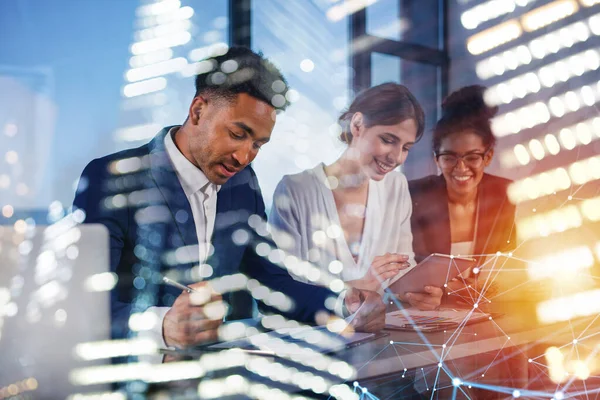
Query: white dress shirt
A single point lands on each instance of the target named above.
(202, 195)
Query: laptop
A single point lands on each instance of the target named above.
(52, 298)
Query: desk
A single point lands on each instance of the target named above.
(380, 358)
(465, 352)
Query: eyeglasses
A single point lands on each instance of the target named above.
(450, 160)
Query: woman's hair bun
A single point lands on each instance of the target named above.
(468, 101)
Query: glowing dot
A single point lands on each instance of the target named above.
(440, 365)
(365, 390)
(307, 65)
(11, 309)
(336, 266)
(475, 270)
(13, 389)
(229, 66)
(11, 157)
(570, 197)
(218, 78)
(456, 382)
(475, 305)
(391, 342)
(516, 394)
(278, 100)
(337, 285)
(278, 86)
(240, 237)
(559, 395)
(72, 252)
(8, 211)
(444, 346)
(574, 341)
(263, 249)
(530, 360)
(319, 238)
(20, 226)
(355, 384)
(139, 283)
(334, 231)
(60, 315)
(292, 95)
(32, 383)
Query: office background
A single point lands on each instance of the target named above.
(81, 79)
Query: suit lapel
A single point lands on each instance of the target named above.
(167, 182)
(441, 234)
(488, 215)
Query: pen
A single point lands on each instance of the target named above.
(177, 285)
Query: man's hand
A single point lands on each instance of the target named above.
(382, 268)
(367, 308)
(429, 300)
(194, 317)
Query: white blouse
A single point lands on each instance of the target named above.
(305, 222)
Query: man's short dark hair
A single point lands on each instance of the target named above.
(240, 70)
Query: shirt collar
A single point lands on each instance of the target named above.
(192, 178)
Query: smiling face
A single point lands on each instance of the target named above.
(463, 178)
(381, 148)
(222, 137)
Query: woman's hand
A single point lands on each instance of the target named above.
(430, 299)
(382, 268)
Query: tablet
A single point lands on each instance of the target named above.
(435, 270)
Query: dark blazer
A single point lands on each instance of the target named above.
(136, 194)
(430, 221)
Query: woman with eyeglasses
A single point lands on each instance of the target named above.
(464, 210)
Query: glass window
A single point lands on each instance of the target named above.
(312, 53)
(384, 68)
(424, 23)
(424, 82)
(383, 20)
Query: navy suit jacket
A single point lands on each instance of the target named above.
(430, 220)
(136, 194)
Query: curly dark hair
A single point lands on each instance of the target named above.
(240, 70)
(465, 110)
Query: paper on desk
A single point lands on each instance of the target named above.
(414, 317)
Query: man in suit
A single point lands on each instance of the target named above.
(188, 205)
